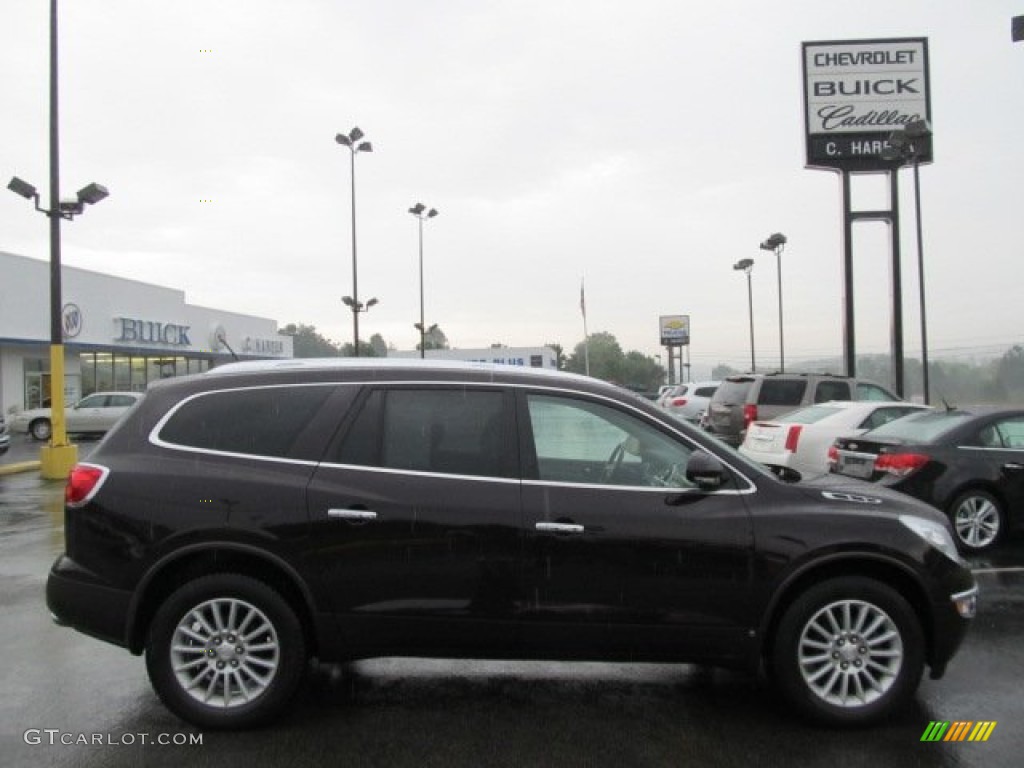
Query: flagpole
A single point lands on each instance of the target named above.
(586, 336)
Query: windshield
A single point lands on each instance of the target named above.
(920, 428)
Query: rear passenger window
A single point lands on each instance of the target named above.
(448, 431)
(263, 421)
(781, 392)
(832, 390)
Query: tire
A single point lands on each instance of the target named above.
(40, 429)
(848, 651)
(225, 651)
(978, 520)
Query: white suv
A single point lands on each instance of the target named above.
(689, 401)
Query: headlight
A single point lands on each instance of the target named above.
(934, 533)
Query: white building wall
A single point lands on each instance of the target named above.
(115, 315)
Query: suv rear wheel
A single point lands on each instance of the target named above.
(848, 651)
(225, 651)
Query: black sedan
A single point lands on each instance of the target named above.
(970, 464)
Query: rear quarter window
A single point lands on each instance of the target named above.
(264, 421)
(782, 392)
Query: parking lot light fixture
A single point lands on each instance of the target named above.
(351, 140)
(747, 265)
(421, 212)
(776, 243)
(907, 146)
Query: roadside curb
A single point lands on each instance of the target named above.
(23, 466)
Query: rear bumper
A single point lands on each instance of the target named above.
(77, 598)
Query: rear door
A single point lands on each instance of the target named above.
(415, 515)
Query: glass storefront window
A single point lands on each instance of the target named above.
(122, 374)
(88, 365)
(138, 374)
(104, 372)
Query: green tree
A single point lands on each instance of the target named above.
(306, 342)
(607, 361)
(559, 354)
(434, 338)
(380, 347)
(366, 349)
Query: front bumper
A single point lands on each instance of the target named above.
(77, 598)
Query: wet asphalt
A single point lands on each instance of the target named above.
(69, 700)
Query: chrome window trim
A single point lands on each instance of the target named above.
(986, 448)
(155, 439)
(633, 488)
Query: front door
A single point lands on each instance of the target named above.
(623, 555)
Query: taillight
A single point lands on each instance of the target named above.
(83, 483)
(833, 457)
(749, 415)
(678, 402)
(900, 464)
(793, 437)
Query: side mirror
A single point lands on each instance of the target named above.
(705, 471)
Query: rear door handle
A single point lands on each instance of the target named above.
(559, 528)
(1013, 466)
(359, 515)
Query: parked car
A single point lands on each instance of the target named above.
(5, 436)
(689, 401)
(94, 414)
(746, 398)
(798, 442)
(966, 463)
(238, 522)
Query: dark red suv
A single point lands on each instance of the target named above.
(237, 523)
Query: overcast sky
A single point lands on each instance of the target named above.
(646, 145)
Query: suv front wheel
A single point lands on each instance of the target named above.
(848, 651)
(225, 651)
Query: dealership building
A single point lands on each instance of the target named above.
(118, 334)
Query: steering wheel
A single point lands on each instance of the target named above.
(614, 462)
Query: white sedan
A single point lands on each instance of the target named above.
(800, 440)
(94, 414)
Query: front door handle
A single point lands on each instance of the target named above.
(358, 515)
(559, 528)
(1013, 466)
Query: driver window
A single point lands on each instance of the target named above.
(577, 441)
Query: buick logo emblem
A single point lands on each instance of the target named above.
(71, 320)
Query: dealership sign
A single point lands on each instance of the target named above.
(675, 330)
(856, 93)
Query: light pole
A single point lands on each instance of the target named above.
(910, 143)
(776, 243)
(57, 458)
(350, 140)
(420, 212)
(357, 307)
(747, 265)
